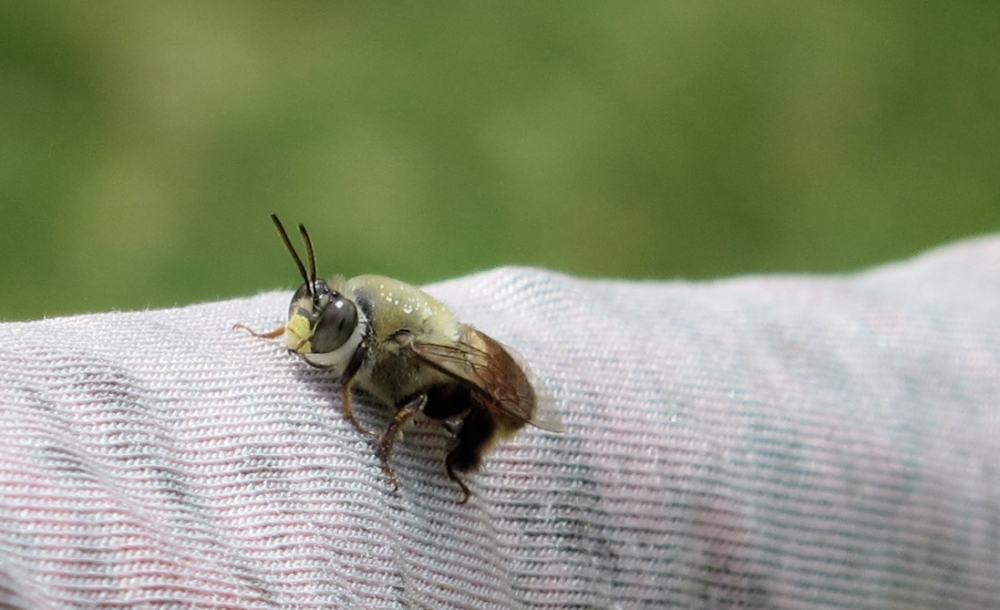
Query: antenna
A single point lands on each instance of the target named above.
(309, 250)
(295, 255)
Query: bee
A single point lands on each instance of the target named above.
(409, 351)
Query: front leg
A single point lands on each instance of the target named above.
(271, 334)
(348, 406)
(353, 366)
(388, 439)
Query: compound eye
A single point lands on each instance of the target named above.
(337, 321)
(301, 293)
(308, 303)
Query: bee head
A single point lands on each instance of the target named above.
(324, 326)
(320, 320)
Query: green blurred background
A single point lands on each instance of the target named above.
(142, 144)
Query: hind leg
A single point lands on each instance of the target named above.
(473, 440)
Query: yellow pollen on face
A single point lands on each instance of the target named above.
(297, 335)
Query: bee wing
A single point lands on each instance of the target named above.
(546, 414)
(496, 371)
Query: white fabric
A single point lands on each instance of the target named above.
(773, 442)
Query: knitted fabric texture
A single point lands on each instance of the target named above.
(771, 442)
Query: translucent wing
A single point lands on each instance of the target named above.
(546, 414)
(495, 372)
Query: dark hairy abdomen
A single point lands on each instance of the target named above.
(454, 400)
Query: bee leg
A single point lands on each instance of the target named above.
(449, 464)
(348, 407)
(388, 439)
(353, 366)
(268, 335)
(474, 438)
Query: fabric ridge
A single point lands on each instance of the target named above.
(756, 442)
